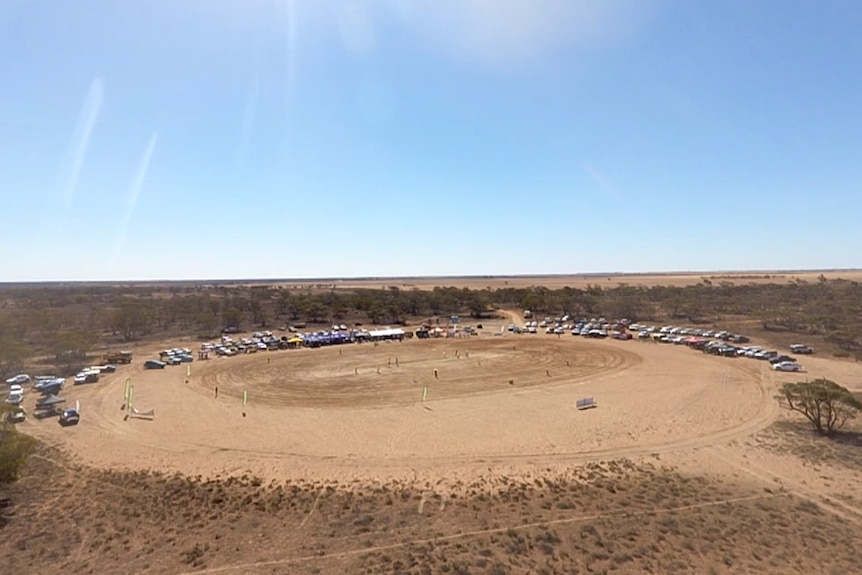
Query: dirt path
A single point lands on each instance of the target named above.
(329, 413)
(245, 567)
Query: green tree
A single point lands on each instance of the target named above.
(258, 313)
(130, 318)
(231, 317)
(282, 303)
(825, 404)
(206, 324)
(316, 311)
(70, 349)
(12, 356)
(15, 447)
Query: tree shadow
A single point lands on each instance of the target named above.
(799, 438)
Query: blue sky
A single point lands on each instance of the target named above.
(274, 138)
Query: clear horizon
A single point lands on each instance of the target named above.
(336, 140)
(302, 279)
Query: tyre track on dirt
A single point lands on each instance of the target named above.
(820, 497)
(293, 380)
(478, 533)
(764, 417)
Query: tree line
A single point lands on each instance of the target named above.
(64, 322)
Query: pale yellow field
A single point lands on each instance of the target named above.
(582, 281)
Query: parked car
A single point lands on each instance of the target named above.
(787, 366)
(16, 395)
(154, 364)
(16, 415)
(19, 379)
(89, 375)
(70, 417)
(48, 383)
(782, 359)
(800, 348)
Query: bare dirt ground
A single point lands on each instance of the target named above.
(337, 465)
(357, 411)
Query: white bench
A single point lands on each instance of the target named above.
(586, 403)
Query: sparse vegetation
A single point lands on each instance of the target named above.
(825, 404)
(146, 522)
(59, 322)
(15, 447)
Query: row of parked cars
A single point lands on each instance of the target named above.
(725, 344)
(673, 334)
(598, 328)
(259, 341)
(174, 356)
(778, 360)
(48, 387)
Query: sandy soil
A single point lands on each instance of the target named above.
(337, 465)
(357, 411)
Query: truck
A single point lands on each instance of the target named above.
(118, 357)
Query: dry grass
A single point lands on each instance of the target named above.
(615, 517)
(573, 280)
(796, 437)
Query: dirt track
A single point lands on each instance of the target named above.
(327, 412)
(394, 373)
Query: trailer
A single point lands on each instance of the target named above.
(118, 357)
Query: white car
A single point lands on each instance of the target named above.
(16, 394)
(787, 366)
(19, 379)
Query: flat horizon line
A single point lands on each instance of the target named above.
(336, 279)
